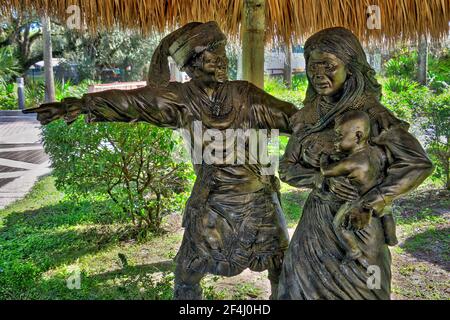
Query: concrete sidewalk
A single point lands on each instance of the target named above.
(22, 158)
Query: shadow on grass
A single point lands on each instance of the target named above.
(65, 213)
(43, 235)
(421, 205)
(34, 241)
(143, 269)
(432, 245)
(150, 282)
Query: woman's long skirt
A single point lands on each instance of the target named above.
(314, 266)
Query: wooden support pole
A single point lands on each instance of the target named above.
(287, 70)
(423, 60)
(253, 29)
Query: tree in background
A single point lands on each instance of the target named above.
(118, 48)
(48, 60)
(109, 49)
(23, 35)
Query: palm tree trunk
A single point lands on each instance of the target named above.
(49, 80)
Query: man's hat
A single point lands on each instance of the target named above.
(182, 45)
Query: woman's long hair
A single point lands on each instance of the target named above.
(360, 85)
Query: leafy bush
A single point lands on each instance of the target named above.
(34, 94)
(427, 108)
(403, 65)
(67, 89)
(296, 95)
(131, 163)
(35, 91)
(300, 82)
(398, 84)
(439, 71)
(404, 97)
(8, 97)
(437, 126)
(8, 70)
(429, 113)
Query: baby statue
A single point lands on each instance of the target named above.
(363, 164)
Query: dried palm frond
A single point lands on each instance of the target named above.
(286, 20)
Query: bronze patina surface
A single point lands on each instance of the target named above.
(364, 165)
(317, 264)
(233, 219)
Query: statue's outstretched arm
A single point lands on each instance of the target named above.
(270, 112)
(159, 106)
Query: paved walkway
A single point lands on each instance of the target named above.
(22, 158)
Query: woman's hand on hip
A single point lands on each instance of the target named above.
(311, 155)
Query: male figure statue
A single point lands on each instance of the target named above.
(233, 219)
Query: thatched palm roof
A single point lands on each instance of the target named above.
(285, 19)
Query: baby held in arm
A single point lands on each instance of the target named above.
(363, 164)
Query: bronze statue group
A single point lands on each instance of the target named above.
(354, 155)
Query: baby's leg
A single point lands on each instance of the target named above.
(389, 229)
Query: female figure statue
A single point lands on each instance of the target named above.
(340, 80)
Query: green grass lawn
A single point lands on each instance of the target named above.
(421, 261)
(292, 201)
(49, 241)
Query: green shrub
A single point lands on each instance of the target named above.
(437, 126)
(9, 65)
(67, 89)
(398, 84)
(403, 65)
(404, 97)
(296, 95)
(8, 97)
(439, 72)
(131, 163)
(300, 82)
(418, 104)
(35, 91)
